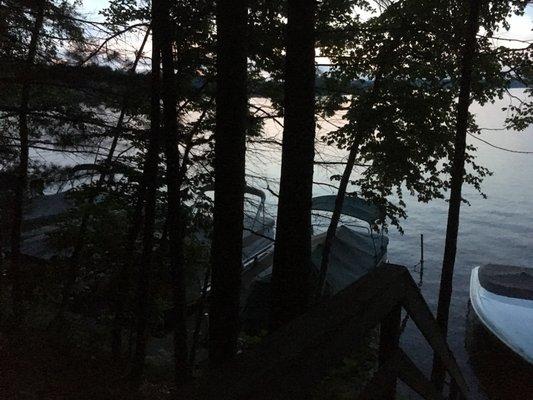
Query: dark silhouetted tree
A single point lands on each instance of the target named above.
(292, 253)
(468, 56)
(174, 222)
(150, 175)
(22, 169)
(229, 163)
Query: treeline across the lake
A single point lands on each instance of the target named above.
(115, 130)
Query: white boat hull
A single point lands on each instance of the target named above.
(509, 319)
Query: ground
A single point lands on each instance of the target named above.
(32, 367)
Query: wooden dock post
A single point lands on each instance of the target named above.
(388, 350)
(454, 391)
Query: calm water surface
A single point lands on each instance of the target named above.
(498, 229)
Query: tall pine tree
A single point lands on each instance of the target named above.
(292, 254)
(469, 52)
(229, 163)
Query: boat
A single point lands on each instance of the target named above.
(258, 232)
(43, 213)
(258, 228)
(358, 246)
(41, 219)
(357, 249)
(501, 296)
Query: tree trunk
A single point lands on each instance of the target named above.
(22, 181)
(150, 193)
(457, 173)
(292, 252)
(73, 266)
(230, 150)
(174, 222)
(121, 279)
(367, 125)
(332, 228)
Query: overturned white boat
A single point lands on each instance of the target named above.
(502, 299)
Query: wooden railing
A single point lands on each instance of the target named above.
(289, 362)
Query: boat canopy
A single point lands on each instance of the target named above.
(353, 255)
(247, 189)
(352, 206)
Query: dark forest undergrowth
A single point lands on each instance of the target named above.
(35, 366)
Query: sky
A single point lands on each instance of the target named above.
(93, 6)
(521, 26)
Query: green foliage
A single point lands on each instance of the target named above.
(521, 111)
(404, 124)
(121, 12)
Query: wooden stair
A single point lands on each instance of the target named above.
(289, 362)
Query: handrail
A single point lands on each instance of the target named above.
(399, 365)
(415, 379)
(290, 361)
(419, 311)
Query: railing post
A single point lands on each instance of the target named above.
(454, 391)
(388, 347)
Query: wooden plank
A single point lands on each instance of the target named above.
(388, 348)
(399, 364)
(415, 379)
(421, 314)
(293, 359)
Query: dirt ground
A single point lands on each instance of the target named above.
(33, 368)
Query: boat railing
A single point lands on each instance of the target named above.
(290, 362)
(260, 211)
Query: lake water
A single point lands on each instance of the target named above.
(498, 229)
